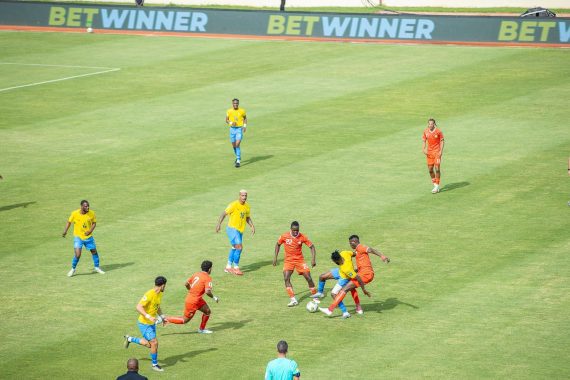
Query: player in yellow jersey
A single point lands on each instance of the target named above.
(237, 121)
(150, 314)
(239, 215)
(346, 272)
(84, 222)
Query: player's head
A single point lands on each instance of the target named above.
(282, 347)
(242, 195)
(235, 103)
(354, 240)
(84, 205)
(295, 228)
(337, 258)
(432, 123)
(133, 365)
(160, 282)
(206, 266)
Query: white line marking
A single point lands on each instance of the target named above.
(106, 70)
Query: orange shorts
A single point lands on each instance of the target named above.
(366, 277)
(192, 305)
(433, 159)
(299, 265)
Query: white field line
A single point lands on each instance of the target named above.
(103, 70)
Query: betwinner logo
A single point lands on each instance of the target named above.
(533, 31)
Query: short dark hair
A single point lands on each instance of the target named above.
(335, 256)
(206, 265)
(432, 119)
(235, 100)
(159, 281)
(282, 347)
(294, 224)
(83, 201)
(353, 237)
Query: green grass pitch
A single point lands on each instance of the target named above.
(478, 286)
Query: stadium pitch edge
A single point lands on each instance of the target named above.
(18, 28)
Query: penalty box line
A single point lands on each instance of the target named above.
(103, 70)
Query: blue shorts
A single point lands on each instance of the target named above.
(336, 273)
(88, 243)
(236, 134)
(148, 331)
(234, 235)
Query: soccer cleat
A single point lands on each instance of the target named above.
(325, 310)
(345, 315)
(71, 272)
(204, 331)
(127, 341)
(98, 270)
(238, 272)
(435, 189)
(292, 303)
(359, 310)
(229, 270)
(157, 368)
(317, 295)
(238, 164)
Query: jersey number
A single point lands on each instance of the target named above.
(195, 281)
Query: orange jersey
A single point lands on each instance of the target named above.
(200, 282)
(433, 139)
(294, 245)
(363, 260)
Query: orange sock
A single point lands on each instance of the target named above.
(338, 299)
(313, 290)
(437, 181)
(355, 297)
(290, 291)
(175, 320)
(204, 321)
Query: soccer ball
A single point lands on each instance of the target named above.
(312, 306)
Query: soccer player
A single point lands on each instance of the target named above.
(237, 120)
(294, 260)
(433, 149)
(150, 314)
(347, 272)
(239, 215)
(84, 222)
(197, 285)
(282, 368)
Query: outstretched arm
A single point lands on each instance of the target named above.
(374, 251)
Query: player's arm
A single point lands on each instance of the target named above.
(142, 311)
(361, 283)
(69, 224)
(441, 149)
(211, 295)
(244, 123)
(91, 229)
(424, 148)
(277, 248)
(313, 256)
(376, 252)
(250, 222)
(220, 220)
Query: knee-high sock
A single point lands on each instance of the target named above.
(237, 255)
(238, 153)
(175, 320)
(134, 339)
(312, 290)
(231, 257)
(321, 286)
(337, 300)
(342, 307)
(154, 358)
(290, 292)
(96, 260)
(355, 297)
(204, 321)
(74, 262)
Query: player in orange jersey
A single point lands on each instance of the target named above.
(433, 149)
(197, 285)
(294, 260)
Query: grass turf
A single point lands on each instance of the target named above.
(478, 284)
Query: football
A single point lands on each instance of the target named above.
(312, 306)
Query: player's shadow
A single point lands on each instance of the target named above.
(16, 205)
(453, 186)
(231, 325)
(172, 360)
(255, 159)
(255, 266)
(387, 304)
(106, 268)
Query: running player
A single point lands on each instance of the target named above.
(433, 149)
(198, 284)
(84, 222)
(239, 212)
(237, 120)
(347, 272)
(150, 314)
(294, 260)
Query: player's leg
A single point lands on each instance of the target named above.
(90, 244)
(287, 272)
(154, 354)
(239, 137)
(332, 274)
(190, 307)
(205, 309)
(77, 246)
(237, 252)
(231, 232)
(233, 141)
(437, 170)
(338, 294)
(305, 271)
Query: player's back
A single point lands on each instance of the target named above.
(199, 283)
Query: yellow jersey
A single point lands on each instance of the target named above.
(236, 116)
(82, 223)
(238, 214)
(150, 303)
(346, 270)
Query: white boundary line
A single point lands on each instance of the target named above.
(105, 70)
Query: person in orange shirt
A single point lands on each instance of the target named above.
(294, 260)
(198, 284)
(433, 149)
